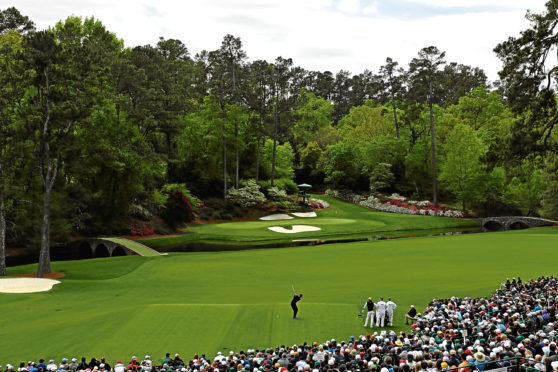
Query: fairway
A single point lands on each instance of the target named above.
(205, 302)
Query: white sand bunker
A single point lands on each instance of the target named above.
(26, 285)
(275, 217)
(305, 214)
(294, 230)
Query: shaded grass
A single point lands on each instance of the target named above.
(205, 302)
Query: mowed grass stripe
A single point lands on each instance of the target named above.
(182, 302)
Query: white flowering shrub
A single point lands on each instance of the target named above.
(275, 194)
(247, 196)
(331, 192)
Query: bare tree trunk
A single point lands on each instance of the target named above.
(44, 256)
(236, 156)
(236, 151)
(48, 175)
(274, 142)
(112, 203)
(2, 226)
(416, 188)
(223, 127)
(395, 114)
(258, 149)
(433, 145)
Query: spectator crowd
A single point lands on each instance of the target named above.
(512, 330)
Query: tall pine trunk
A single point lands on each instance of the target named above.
(44, 256)
(258, 149)
(223, 128)
(274, 141)
(395, 114)
(236, 151)
(2, 226)
(48, 171)
(433, 145)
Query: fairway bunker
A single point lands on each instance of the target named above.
(26, 285)
(276, 217)
(295, 229)
(305, 214)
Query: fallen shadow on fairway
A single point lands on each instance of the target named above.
(220, 247)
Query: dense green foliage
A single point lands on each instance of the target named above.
(91, 132)
(206, 302)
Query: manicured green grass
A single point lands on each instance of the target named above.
(205, 302)
(139, 248)
(341, 220)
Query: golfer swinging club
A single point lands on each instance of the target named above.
(296, 298)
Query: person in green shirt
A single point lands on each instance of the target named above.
(166, 359)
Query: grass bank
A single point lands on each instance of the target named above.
(205, 302)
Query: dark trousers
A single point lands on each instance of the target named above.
(295, 310)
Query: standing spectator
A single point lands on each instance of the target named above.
(134, 365)
(41, 366)
(119, 367)
(177, 362)
(63, 365)
(390, 307)
(83, 365)
(146, 364)
(51, 366)
(166, 360)
(107, 366)
(380, 312)
(369, 306)
(73, 366)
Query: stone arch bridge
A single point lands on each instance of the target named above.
(112, 247)
(513, 223)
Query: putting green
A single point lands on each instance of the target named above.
(205, 302)
(340, 221)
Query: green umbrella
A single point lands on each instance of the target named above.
(304, 185)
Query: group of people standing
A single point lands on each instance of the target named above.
(384, 312)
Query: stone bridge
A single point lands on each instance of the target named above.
(513, 223)
(111, 247)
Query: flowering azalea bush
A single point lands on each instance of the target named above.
(141, 229)
(247, 196)
(318, 204)
(396, 203)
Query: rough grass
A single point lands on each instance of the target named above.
(205, 302)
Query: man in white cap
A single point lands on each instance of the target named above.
(380, 312)
(369, 306)
(51, 366)
(146, 364)
(390, 306)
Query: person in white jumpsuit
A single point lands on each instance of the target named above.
(380, 312)
(369, 306)
(390, 306)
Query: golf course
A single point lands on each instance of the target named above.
(342, 221)
(204, 302)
